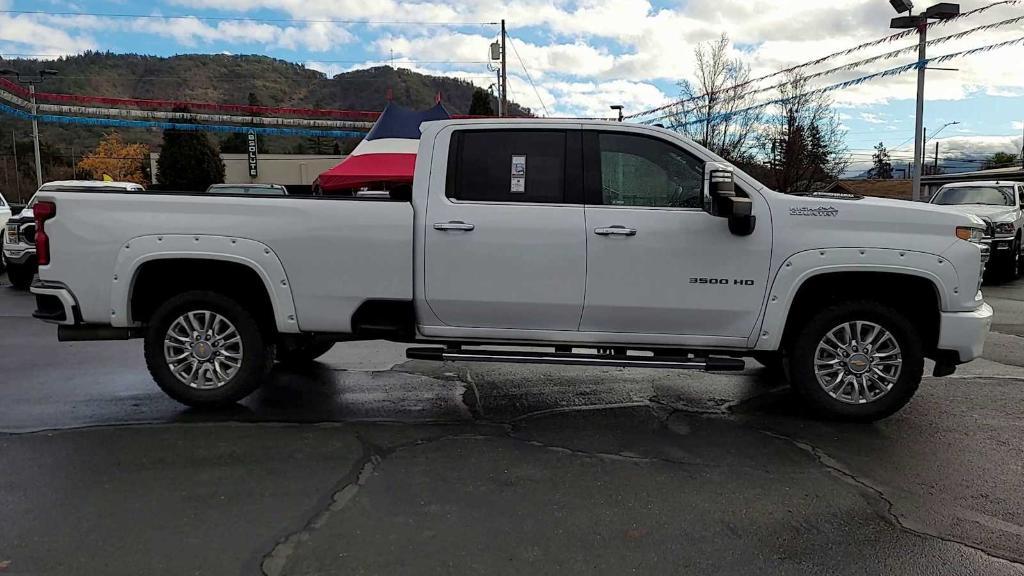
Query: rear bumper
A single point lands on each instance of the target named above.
(55, 304)
(962, 334)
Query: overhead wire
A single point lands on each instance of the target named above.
(527, 72)
(845, 52)
(250, 18)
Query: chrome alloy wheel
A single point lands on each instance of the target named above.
(203, 349)
(857, 362)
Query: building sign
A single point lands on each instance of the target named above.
(253, 154)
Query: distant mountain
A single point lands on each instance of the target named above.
(225, 79)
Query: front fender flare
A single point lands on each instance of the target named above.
(802, 266)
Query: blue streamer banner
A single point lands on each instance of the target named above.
(222, 128)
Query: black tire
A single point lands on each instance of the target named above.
(774, 363)
(301, 354)
(1013, 268)
(801, 361)
(20, 275)
(257, 350)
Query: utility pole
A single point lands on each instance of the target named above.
(921, 158)
(504, 71)
(35, 111)
(941, 11)
(935, 167)
(17, 179)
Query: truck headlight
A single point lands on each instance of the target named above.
(970, 233)
(1004, 228)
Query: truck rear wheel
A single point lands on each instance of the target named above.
(858, 361)
(206, 351)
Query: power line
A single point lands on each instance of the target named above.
(860, 80)
(521, 63)
(249, 18)
(846, 52)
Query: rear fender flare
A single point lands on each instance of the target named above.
(250, 253)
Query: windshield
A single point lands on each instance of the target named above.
(988, 195)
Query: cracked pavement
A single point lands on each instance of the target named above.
(367, 463)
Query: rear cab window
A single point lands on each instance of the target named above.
(515, 166)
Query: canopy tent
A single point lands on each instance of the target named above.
(388, 152)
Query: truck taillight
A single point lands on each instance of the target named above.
(43, 211)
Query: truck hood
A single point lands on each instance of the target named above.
(818, 222)
(994, 213)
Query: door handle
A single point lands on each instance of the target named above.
(453, 225)
(615, 231)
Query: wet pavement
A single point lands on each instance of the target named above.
(367, 463)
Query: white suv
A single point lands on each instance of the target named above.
(999, 204)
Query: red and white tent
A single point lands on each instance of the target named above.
(388, 153)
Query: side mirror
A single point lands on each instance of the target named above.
(720, 199)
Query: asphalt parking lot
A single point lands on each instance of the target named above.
(367, 463)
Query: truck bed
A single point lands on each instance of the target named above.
(336, 252)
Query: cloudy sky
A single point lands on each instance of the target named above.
(582, 55)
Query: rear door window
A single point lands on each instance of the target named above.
(532, 166)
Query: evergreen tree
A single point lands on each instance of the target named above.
(188, 161)
(1000, 160)
(881, 168)
(481, 104)
(238, 142)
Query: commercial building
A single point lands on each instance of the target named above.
(286, 169)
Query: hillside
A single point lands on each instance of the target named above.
(225, 79)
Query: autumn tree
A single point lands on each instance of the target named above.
(117, 159)
(716, 109)
(881, 164)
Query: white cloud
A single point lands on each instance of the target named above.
(312, 36)
(872, 118)
(28, 34)
(1017, 125)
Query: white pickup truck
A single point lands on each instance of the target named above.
(528, 241)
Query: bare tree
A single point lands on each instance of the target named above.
(715, 106)
(800, 140)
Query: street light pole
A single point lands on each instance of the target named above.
(35, 136)
(922, 31)
(35, 111)
(940, 11)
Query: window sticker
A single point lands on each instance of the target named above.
(518, 174)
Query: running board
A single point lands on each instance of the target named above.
(568, 358)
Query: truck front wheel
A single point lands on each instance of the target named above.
(206, 351)
(857, 361)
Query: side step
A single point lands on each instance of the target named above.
(620, 360)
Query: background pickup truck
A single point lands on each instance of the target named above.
(1001, 206)
(555, 237)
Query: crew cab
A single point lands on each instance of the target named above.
(19, 241)
(1001, 206)
(546, 241)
